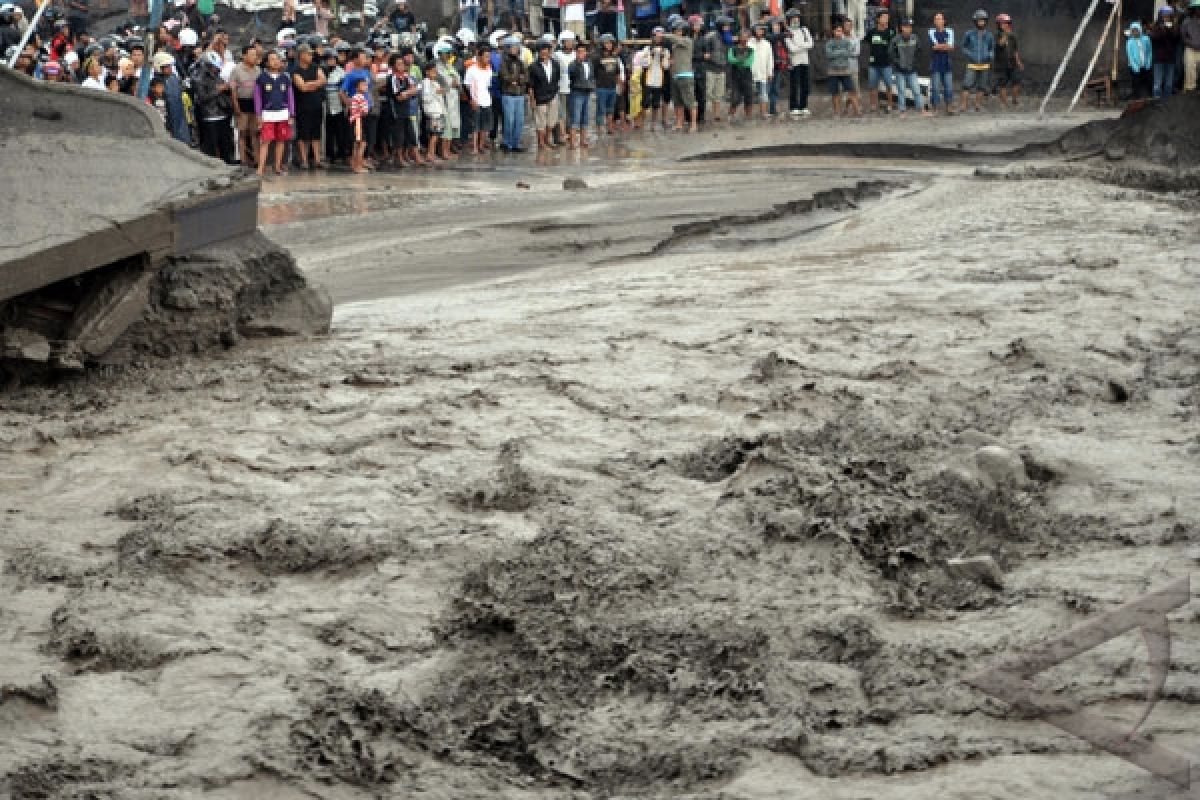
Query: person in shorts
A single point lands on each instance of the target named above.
(1009, 66)
(979, 46)
(840, 65)
(478, 85)
(683, 78)
(544, 78)
(654, 62)
(275, 107)
(433, 107)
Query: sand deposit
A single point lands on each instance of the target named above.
(673, 523)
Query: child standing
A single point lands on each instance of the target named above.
(433, 103)
(359, 106)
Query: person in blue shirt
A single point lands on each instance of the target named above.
(1139, 52)
(941, 78)
(979, 46)
(359, 68)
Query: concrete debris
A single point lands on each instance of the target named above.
(981, 569)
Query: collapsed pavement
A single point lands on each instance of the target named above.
(126, 245)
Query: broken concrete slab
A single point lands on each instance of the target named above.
(981, 569)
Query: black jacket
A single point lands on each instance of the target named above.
(514, 78)
(544, 89)
(578, 82)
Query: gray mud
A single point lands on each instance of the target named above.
(678, 525)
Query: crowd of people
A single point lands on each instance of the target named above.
(394, 100)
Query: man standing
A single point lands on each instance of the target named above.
(214, 108)
(478, 83)
(699, 71)
(1008, 61)
(799, 41)
(514, 85)
(715, 51)
(979, 46)
(941, 79)
(243, 78)
(683, 83)
(879, 61)
(308, 82)
(904, 49)
(1164, 38)
(840, 65)
(762, 69)
(1190, 31)
(337, 129)
(544, 78)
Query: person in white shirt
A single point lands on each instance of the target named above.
(94, 72)
(478, 82)
(798, 41)
(565, 56)
(763, 68)
(433, 104)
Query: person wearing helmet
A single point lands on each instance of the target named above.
(879, 61)
(1189, 32)
(1164, 41)
(275, 107)
(714, 51)
(1009, 67)
(799, 41)
(762, 70)
(609, 75)
(905, 48)
(941, 78)
(683, 77)
(979, 47)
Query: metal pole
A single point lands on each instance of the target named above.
(1117, 42)
(156, 9)
(1062, 68)
(1087, 76)
(33, 23)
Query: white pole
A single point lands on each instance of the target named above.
(1087, 76)
(33, 23)
(1066, 58)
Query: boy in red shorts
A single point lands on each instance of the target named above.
(275, 106)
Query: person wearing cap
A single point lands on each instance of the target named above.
(177, 122)
(1140, 55)
(1189, 32)
(514, 85)
(941, 77)
(1164, 40)
(683, 77)
(905, 48)
(1009, 66)
(308, 86)
(243, 78)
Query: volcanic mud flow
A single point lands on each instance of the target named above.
(675, 524)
